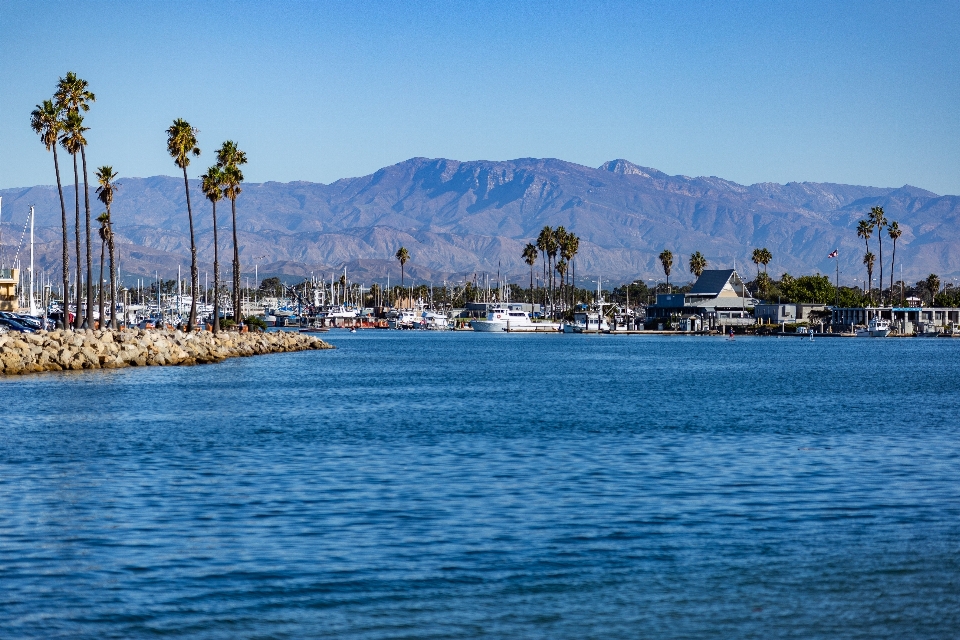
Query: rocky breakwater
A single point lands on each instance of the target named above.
(69, 350)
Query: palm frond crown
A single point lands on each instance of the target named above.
(105, 178)
(46, 122)
(182, 142)
(72, 137)
(212, 184)
(72, 93)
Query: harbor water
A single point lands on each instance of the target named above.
(460, 485)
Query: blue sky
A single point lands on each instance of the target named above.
(856, 92)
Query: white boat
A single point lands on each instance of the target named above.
(590, 319)
(341, 311)
(501, 318)
(403, 319)
(587, 322)
(433, 321)
(877, 328)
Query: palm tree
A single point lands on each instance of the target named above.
(879, 221)
(543, 244)
(106, 177)
(763, 284)
(868, 260)
(212, 184)
(104, 232)
(73, 140)
(230, 158)
(45, 121)
(557, 239)
(666, 259)
(529, 256)
(571, 248)
(72, 94)
(932, 284)
(765, 258)
(698, 263)
(865, 230)
(757, 259)
(181, 143)
(561, 268)
(894, 232)
(402, 255)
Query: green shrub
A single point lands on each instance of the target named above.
(256, 323)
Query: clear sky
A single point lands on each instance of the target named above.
(856, 92)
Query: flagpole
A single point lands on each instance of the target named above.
(835, 255)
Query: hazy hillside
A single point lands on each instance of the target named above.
(461, 217)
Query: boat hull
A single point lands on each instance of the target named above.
(540, 327)
(873, 333)
(487, 326)
(509, 327)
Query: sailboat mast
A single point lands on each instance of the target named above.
(33, 304)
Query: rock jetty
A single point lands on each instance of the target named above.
(74, 350)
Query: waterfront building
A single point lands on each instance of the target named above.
(905, 320)
(9, 279)
(719, 297)
(787, 312)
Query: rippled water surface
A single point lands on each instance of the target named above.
(429, 485)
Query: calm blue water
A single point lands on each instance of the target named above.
(429, 485)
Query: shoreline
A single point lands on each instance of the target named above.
(62, 350)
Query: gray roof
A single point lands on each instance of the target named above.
(711, 282)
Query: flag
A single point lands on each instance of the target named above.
(834, 254)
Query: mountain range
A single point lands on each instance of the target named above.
(460, 218)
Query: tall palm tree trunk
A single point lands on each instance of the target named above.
(191, 323)
(573, 281)
(880, 280)
(236, 264)
(551, 285)
(543, 284)
(113, 278)
(893, 262)
(86, 201)
(103, 246)
(216, 273)
(78, 317)
(66, 240)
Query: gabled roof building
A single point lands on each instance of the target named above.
(719, 296)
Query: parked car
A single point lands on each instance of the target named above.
(31, 321)
(8, 324)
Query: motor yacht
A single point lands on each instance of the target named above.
(501, 318)
(403, 319)
(876, 328)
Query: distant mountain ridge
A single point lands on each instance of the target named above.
(457, 218)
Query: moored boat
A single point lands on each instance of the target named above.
(501, 318)
(876, 328)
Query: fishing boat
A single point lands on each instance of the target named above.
(589, 319)
(587, 322)
(403, 319)
(433, 321)
(876, 328)
(502, 318)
